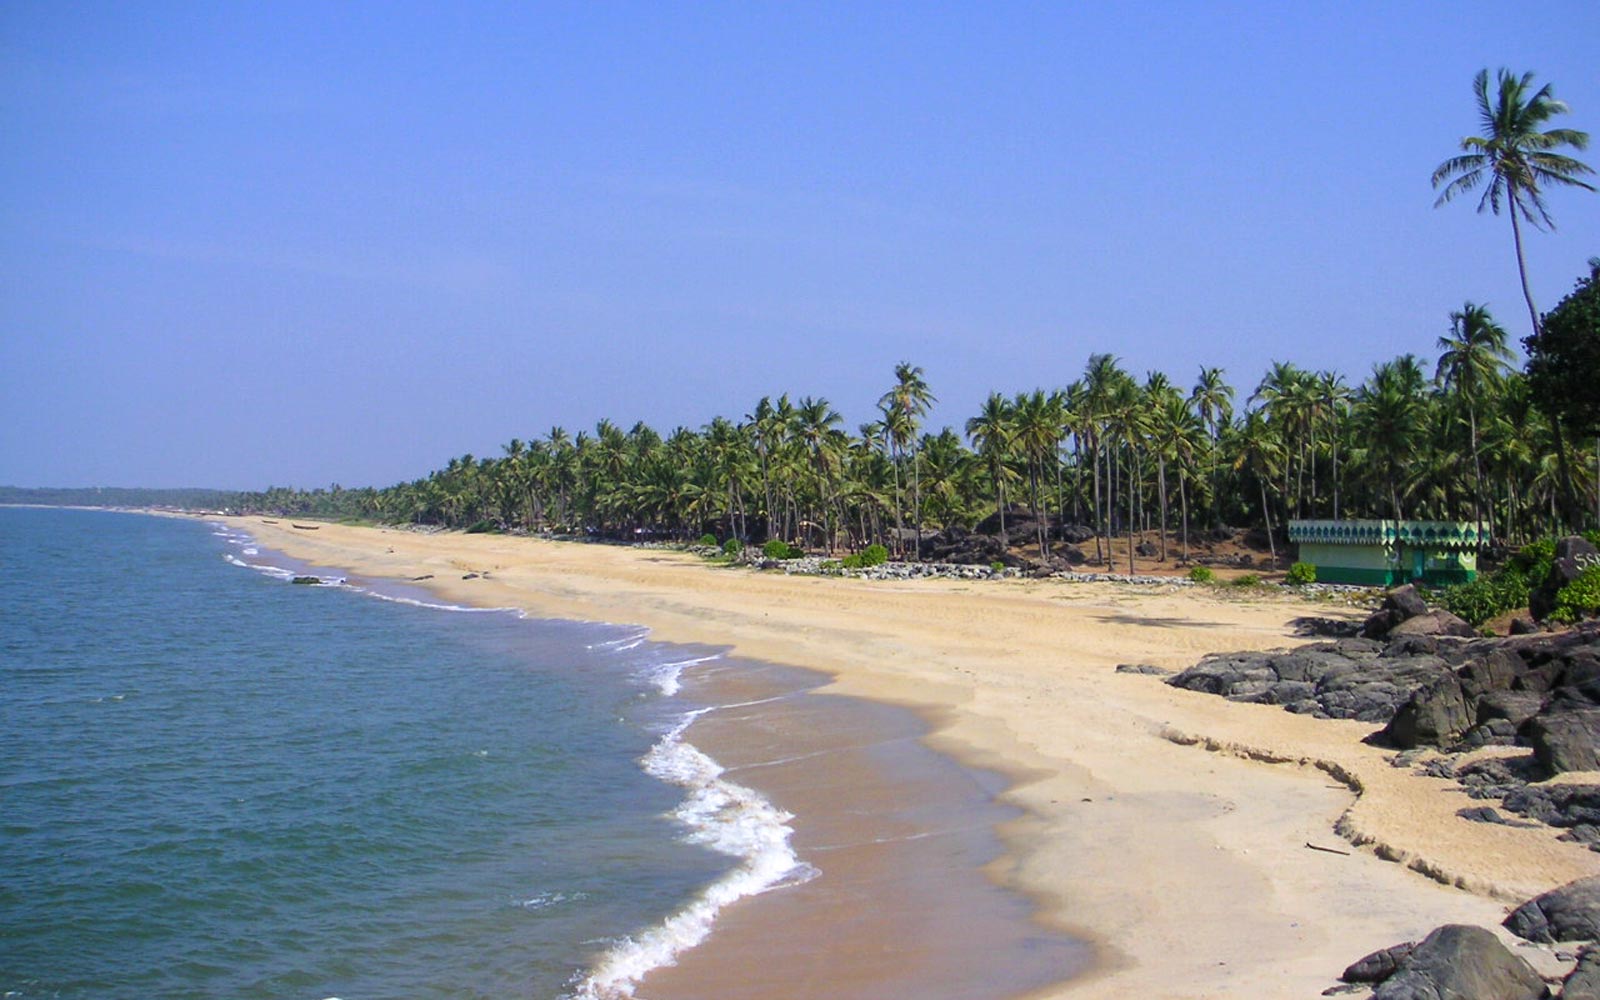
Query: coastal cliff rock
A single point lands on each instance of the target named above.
(1457, 962)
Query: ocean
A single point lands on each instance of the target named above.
(215, 783)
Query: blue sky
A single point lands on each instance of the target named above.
(251, 244)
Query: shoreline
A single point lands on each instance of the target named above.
(1187, 871)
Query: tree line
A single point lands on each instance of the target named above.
(1462, 436)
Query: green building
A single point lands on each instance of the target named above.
(1387, 553)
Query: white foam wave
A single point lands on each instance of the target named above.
(667, 677)
(719, 814)
(626, 642)
(434, 605)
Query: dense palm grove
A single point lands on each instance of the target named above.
(1459, 436)
(1465, 435)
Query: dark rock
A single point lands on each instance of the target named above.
(1434, 715)
(1333, 628)
(1568, 913)
(1459, 962)
(1564, 740)
(1583, 983)
(1142, 668)
(307, 581)
(1407, 601)
(1568, 806)
(1488, 814)
(1379, 965)
(1523, 626)
(1572, 554)
(1074, 534)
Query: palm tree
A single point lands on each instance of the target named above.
(1474, 358)
(990, 432)
(1212, 399)
(1513, 158)
(1036, 431)
(902, 406)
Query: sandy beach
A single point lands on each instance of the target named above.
(1169, 829)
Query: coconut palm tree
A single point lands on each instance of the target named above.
(1513, 159)
(903, 406)
(990, 433)
(1475, 356)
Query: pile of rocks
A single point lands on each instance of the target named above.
(1458, 960)
(1418, 672)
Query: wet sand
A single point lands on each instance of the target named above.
(1188, 871)
(900, 836)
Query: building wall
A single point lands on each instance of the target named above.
(1363, 565)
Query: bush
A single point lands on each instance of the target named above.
(852, 561)
(1202, 574)
(484, 527)
(1301, 574)
(1580, 598)
(777, 548)
(732, 547)
(708, 540)
(1248, 580)
(997, 567)
(874, 555)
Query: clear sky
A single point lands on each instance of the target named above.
(301, 243)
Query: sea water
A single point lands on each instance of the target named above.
(216, 783)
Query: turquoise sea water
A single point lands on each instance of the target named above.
(214, 783)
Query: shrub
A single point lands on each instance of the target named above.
(732, 547)
(484, 527)
(852, 561)
(997, 567)
(777, 548)
(1580, 598)
(1202, 574)
(874, 555)
(1247, 580)
(708, 540)
(1300, 574)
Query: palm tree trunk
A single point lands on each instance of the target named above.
(1266, 513)
(1522, 265)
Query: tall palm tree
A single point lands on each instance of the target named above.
(1512, 158)
(990, 432)
(1212, 399)
(1474, 358)
(903, 406)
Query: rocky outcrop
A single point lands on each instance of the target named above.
(1343, 679)
(1573, 553)
(1568, 913)
(1461, 962)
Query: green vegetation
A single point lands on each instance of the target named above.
(1247, 580)
(777, 548)
(1465, 436)
(1202, 574)
(1301, 574)
(483, 527)
(708, 541)
(732, 547)
(1580, 598)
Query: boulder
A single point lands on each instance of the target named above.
(1460, 962)
(1583, 982)
(1573, 553)
(1400, 605)
(1379, 965)
(1568, 913)
(1435, 714)
(1564, 740)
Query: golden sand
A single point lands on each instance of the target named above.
(1169, 828)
